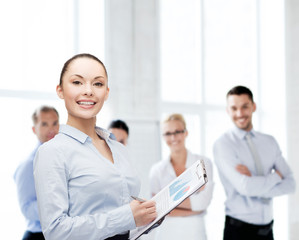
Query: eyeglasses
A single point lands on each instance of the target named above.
(178, 132)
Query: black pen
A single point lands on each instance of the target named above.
(138, 199)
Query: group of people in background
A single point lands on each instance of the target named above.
(78, 182)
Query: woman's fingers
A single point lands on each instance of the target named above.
(143, 212)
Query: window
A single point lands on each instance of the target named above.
(207, 47)
(40, 37)
(181, 40)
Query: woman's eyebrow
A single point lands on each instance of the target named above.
(78, 75)
(99, 77)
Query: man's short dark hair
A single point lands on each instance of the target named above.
(239, 90)
(44, 109)
(120, 125)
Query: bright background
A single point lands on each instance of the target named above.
(206, 47)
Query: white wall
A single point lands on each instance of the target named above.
(292, 109)
(132, 59)
(132, 64)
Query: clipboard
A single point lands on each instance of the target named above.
(182, 187)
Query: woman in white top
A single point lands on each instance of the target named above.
(83, 178)
(187, 223)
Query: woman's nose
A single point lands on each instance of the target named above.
(88, 90)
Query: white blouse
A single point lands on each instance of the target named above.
(191, 227)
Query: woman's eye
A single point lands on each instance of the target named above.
(76, 82)
(98, 84)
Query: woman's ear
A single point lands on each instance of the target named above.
(59, 92)
(186, 133)
(107, 93)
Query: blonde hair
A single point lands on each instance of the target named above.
(177, 117)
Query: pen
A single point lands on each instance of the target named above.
(138, 199)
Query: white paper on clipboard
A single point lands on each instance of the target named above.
(174, 194)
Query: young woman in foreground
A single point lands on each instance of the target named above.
(84, 181)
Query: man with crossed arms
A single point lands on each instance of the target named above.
(252, 170)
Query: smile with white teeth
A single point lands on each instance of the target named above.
(242, 119)
(86, 103)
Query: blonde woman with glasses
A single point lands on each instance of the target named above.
(187, 221)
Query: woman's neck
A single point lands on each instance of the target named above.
(84, 125)
(179, 157)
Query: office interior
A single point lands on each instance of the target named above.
(162, 56)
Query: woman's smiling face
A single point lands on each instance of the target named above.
(175, 135)
(84, 88)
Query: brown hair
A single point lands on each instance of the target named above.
(81, 55)
(239, 90)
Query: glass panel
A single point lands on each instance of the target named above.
(41, 40)
(230, 47)
(91, 38)
(272, 56)
(194, 134)
(180, 32)
(217, 122)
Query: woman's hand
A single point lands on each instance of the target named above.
(143, 212)
(279, 173)
(243, 170)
